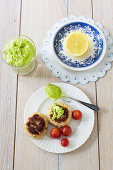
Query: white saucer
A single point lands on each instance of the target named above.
(66, 75)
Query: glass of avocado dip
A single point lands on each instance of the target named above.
(19, 53)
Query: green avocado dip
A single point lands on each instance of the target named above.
(19, 52)
(53, 91)
(57, 112)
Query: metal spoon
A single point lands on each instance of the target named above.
(91, 106)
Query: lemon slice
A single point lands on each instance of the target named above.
(76, 44)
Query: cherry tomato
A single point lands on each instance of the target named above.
(66, 130)
(55, 133)
(65, 142)
(76, 114)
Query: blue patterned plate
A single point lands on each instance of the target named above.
(95, 53)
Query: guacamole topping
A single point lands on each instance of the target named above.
(19, 52)
(53, 91)
(57, 112)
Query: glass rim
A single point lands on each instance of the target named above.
(14, 36)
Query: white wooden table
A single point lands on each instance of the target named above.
(17, 152)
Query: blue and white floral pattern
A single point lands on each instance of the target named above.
(86, 29)
(66, 75)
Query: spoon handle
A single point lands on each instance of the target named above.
(91, 106)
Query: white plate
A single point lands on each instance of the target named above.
(81, 129)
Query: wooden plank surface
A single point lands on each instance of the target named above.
(103, 13)
(37, 18)
(85, 157)
(9, 25)
(81, 8)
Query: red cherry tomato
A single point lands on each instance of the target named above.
(66, 130)
(64, 142)
(55, 133)
(76, 114)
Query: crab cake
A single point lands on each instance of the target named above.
(36, 125)
(65, 117)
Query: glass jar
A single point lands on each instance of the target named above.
(24, 69)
